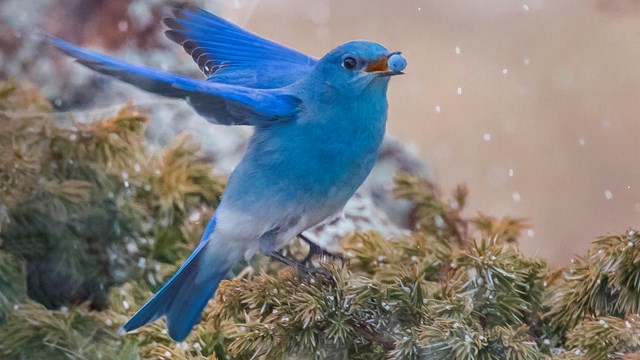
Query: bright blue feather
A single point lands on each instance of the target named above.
(182, 298)
(229, 54)
(219, 103)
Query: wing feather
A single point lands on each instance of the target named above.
(220, 103)
(226, 53)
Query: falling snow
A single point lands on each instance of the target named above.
(516, 196)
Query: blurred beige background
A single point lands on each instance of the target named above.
(534, 104)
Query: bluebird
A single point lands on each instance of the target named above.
(318, 125)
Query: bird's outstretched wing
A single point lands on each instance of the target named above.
(229, 54)
(218, 102)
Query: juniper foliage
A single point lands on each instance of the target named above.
(83, 204)
(93, 221)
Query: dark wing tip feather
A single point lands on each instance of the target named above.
(203, 59)
(189, 46)
(215, 43)
(171, 23)
(180, 9)
(175, 36)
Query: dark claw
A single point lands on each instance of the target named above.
(315, 250)
(300, 266)
(306, 270)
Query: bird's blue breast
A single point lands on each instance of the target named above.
(314, 163)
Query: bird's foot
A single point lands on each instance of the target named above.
(316, 250)
(308, 271)
(300, 266)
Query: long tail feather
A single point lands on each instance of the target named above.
(183, 298)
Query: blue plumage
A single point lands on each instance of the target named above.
(318, 128)
(220, 103)
(247, 59)
(182, 298)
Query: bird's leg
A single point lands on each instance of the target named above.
(267, 247)
(285, 260)
(315, 249)
(298, 265)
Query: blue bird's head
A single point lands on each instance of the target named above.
(353, 67)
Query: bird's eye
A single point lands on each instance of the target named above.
(349, 63)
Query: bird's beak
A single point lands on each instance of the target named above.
(381, 67)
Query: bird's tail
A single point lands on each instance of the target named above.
(183, 298)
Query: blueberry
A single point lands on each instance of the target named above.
(397, 62)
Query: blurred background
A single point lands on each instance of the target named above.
(533, 104)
